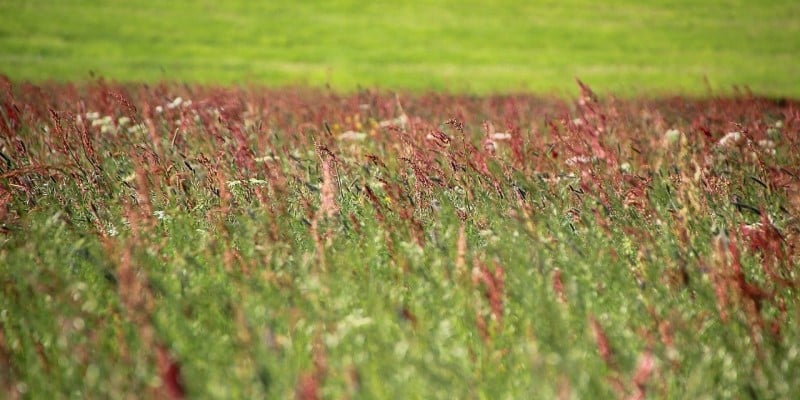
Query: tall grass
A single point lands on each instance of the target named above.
(182, 241)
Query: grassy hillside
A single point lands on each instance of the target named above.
(621, 46)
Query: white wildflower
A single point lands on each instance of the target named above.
(400, 349)
(766, 143)
(161, 215)
(573, 161)
(91, 116)
(22, 387)
(111, 230)
(345, 326)
(400, 121)
(254, 181)
(159, 109)
(175, 103)
(122, 121)
(488, 234)
(500, 136)
(138, 128)
(355, 320)
(730, 138)
(353, 136)
(672, 136)
(267, 158)
(106, 124)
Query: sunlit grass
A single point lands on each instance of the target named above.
(175, 241)
(622, 47)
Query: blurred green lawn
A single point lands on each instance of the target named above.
(624, 46)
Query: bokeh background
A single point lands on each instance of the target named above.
(622, 46)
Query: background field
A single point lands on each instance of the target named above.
(622, 46)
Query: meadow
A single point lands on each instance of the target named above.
(346, 200)
(621, 47)
(172, 241)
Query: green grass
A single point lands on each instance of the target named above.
(436, 268)
(626, 47)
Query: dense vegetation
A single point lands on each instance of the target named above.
(165, 241)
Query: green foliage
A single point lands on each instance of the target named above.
(624, 47)
(517, 258)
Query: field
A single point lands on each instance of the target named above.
(369, 200)
(170, 241)
(622, 47)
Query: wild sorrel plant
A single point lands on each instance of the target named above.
(250, 242)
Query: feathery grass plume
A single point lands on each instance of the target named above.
(376, 204)
(604, 349)
(493, 289)
(481, 326)
(242, 155)
(169, 370)
(751, 297)
(309, 384)
(461, 250)
(328, 191)
(7, 378)
(592, 125)
(558, 286)
(719, 278)
(308, 388)
(136, 297)
(645, 368)
(5, 199)
(606, 353)
(87, 145)
(735, 293)
(144, 204)
(65, 141)
(766, 240)
(328, 207)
